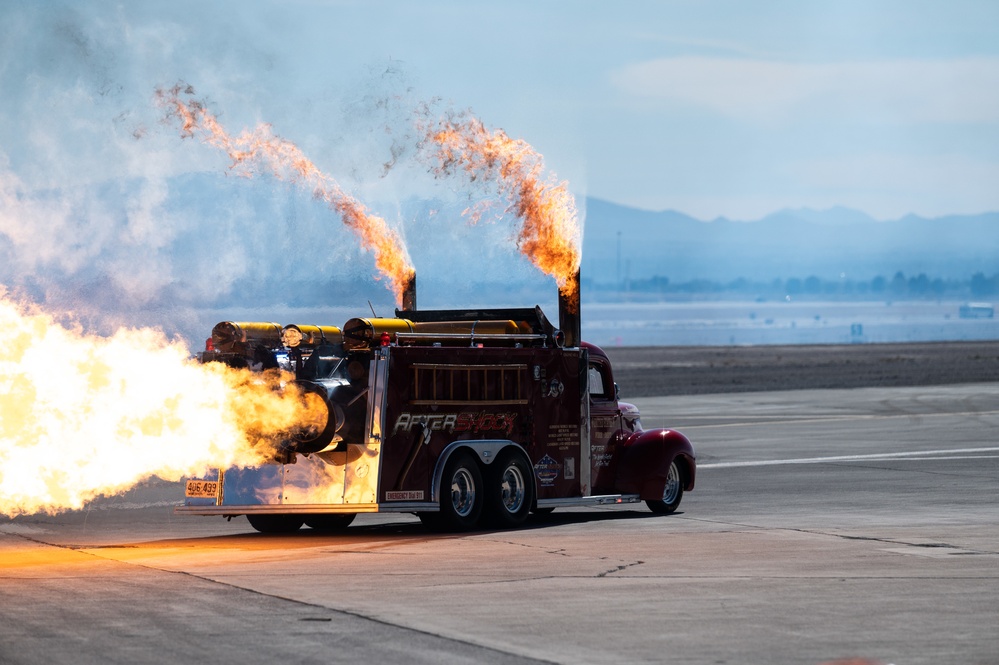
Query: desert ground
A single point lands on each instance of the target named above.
(697, 370)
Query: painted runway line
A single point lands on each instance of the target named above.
(908, 455)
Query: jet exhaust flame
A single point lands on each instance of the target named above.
(550, 235)
(84, 416)
(286, 161)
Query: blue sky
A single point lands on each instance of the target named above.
(715, 108)
(710, 108)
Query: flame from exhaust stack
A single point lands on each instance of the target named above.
(286, 161)
(550, 235)
(84, 416)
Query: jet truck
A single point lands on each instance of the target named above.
(466, 418)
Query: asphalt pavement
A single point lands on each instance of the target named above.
(825, 525)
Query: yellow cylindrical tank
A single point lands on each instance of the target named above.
(366, 333)
(236, 336)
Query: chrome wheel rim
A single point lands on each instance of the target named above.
(513, 489)
(672, 489)
(462, 492)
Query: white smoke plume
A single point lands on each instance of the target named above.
(107, 216)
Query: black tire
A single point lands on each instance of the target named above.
(460, 495)
(329, 521)
(672, 492)
(276, 523)
(509, 489)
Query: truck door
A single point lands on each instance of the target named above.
(605, 426)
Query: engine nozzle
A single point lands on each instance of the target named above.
(323, 418)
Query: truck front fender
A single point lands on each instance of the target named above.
(645, 462)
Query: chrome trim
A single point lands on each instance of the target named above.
(312, 509)
(277, 509)
(362, 476)
(463, 491)
(599, 500)
(376, 407)
(513, 487)
(672, 487)
(471, 337)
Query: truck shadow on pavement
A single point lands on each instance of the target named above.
(576, 516)
(399, 530)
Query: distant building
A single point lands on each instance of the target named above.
(977, 310)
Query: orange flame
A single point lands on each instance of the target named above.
(550, 235)
(84, 416)
(286, 161)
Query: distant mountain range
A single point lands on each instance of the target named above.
(205, 243)
(626, 243)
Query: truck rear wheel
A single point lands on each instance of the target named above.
(509, 489)
(460, 495)
(276, 523)
(330, 522)
(672, 492)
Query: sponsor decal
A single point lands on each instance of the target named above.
(466, 421)
(407, 495)
(554, 389)
(546, 469)
(564, 436)
(602, 461)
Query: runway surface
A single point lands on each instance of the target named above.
(826, 524)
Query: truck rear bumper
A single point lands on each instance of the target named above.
(309, 509)
(393, 507)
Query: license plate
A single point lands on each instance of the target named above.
(202, 489)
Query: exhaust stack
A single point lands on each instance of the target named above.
(409, 295)
(568, 311)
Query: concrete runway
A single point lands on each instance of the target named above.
(826, 524)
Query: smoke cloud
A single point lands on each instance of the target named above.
(107, 217)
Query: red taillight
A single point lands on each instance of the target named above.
(386, 339)
(209, 344)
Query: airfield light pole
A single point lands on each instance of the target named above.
(618, 280)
